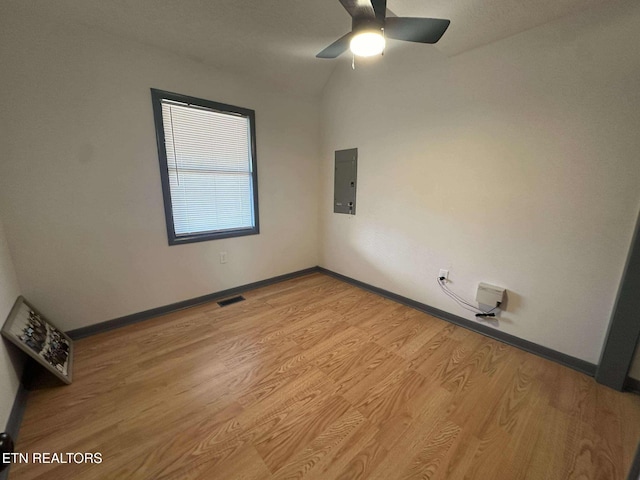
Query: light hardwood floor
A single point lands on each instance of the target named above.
(314, 378)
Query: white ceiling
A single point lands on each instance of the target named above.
(277, 40)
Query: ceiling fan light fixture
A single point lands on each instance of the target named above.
(367, 43)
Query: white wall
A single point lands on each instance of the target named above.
(10, 364)
(515, 164)
(80, 187)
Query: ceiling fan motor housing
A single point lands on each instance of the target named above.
(360, 25)
(370, 27)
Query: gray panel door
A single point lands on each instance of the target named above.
(344, 184)
(624, 328)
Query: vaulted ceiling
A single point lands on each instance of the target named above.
(277, 40)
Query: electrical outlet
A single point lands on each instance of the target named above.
(223, 257)
(443, 273)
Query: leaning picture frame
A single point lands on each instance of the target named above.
(39, 338)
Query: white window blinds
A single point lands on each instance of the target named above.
(209, 165)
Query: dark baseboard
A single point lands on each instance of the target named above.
(17, 412)
(634, 471)
(548, 353)
(20, 403)
(632, 385)
(545, 352)
(15, 420)
(154, 312)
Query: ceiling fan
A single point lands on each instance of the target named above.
(370, 25)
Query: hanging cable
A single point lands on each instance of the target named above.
(464, 303)
(454, 295)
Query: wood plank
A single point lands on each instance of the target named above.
(312, 378)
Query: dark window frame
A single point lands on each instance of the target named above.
(156, 98)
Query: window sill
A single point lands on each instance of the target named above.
(205, 237)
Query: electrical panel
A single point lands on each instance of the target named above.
(490, 294)
(344, 183)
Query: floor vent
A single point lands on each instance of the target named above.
(229, 301)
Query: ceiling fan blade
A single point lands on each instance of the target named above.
(380, 7)
(337, 48)
(359, 8)
(421, 30)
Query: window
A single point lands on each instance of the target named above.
(207, 153)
